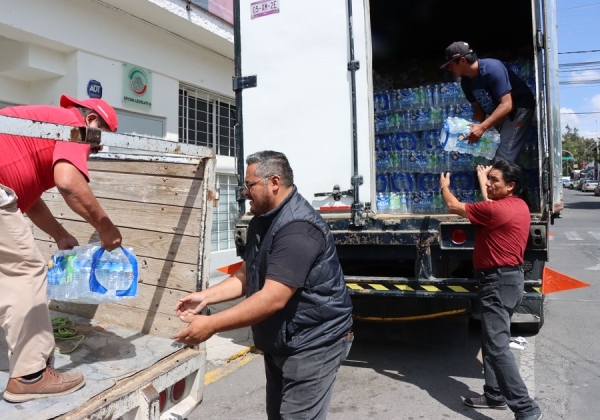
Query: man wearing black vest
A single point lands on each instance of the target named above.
(297, 302)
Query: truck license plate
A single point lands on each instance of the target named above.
(263, 8)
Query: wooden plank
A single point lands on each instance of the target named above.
(147, 168)
(147, 189)
(145, 243)
(152, 271)
(147, 322)
(156, 217)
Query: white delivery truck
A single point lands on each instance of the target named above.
(160, 195)
(352, 92)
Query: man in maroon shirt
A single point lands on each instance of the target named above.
(502, 230)
(28, 167)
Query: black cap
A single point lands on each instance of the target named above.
(456, 50)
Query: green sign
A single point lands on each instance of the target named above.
(567, 158)
(137, 87)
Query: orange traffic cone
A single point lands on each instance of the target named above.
(230, 269)
(557, 282)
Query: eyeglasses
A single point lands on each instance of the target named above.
(248, 185)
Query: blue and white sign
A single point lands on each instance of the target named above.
(94, 89)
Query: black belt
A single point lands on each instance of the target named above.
(497, 270)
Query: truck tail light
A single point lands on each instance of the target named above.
(178, 390)
(458, 236)
(162, 400)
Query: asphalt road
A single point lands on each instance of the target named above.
(387, 380)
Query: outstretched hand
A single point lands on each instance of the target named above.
(192, 304)
(199, 330)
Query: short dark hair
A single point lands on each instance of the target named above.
(272, 163)
(471, 57)
(511, 172)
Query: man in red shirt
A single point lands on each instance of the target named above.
(28, 167)
(502, 229)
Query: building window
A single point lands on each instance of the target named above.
(206, 119)
(224, 215)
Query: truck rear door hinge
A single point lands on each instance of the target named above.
(245, 82)
(539, 39)
(353, 65)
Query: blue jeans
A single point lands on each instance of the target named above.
(500, 293)
(300, 386)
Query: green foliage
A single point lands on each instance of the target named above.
(579, 146)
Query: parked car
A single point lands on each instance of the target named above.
(581, 182)
(589, 185)
(565, 180)
(568, 184)
(574, 184)
(597, 190)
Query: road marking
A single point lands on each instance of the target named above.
(233, 363)
(573, 236)
(595, 268)
(596, 235)
(527, 366)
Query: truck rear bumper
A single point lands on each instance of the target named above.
(433, 288)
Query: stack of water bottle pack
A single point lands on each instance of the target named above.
(89, 274)
(530, 160)
(410, 155)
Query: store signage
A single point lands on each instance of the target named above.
(137, 87)
(94, 89)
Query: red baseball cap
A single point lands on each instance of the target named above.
(99, 106)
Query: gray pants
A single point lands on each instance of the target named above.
(300, 386)
(500, 294)
(513, 133)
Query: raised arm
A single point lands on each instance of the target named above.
(482, 176)
(454, 206)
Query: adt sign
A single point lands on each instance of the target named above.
(94, 89)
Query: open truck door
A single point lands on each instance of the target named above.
(301, 68)
(548, 52)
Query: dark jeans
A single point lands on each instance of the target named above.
(499, 295)
(300, 386)
(514, 130)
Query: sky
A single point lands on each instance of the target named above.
(579, 30)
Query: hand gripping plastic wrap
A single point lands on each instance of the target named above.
(90, 274)
(454, 138)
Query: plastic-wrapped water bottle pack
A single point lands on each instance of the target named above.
(454, 138)
(90, 274)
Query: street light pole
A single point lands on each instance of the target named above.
(597, 153)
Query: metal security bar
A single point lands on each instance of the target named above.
(206, 119)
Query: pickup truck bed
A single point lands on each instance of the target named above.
(108, 354)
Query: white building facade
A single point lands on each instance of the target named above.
(175, 55)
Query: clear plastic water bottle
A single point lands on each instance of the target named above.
(395, 203)
(103, 270)
(125, 276)
(383, 203)
(116, 272)
(82, 268)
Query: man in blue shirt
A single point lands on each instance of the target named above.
(499, 97)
